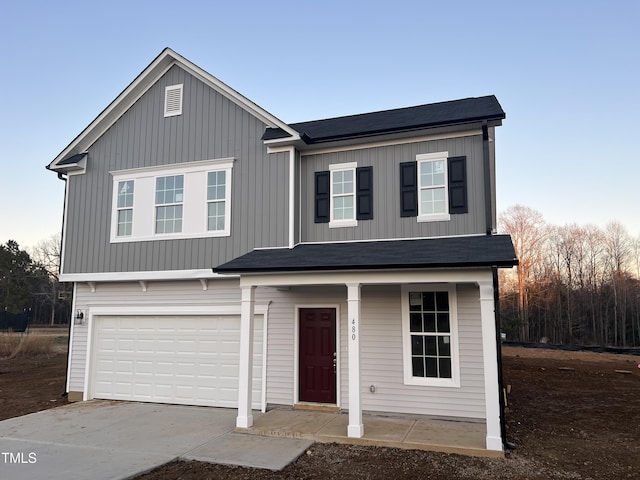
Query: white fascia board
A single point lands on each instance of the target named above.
(458, 275)
(139, 87)
(142, 276)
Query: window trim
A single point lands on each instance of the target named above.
(350, 222)
(194, 215)
(409, 379)
(433, 157)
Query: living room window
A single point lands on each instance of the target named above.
(430, 335)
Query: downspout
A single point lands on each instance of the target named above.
(488, 203)
(496, 300)
(64, 208)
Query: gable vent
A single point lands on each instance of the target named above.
(173, 100)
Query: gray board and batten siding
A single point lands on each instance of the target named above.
(387, 222)
(210, 127)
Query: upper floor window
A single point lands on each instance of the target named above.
(169, 198)
(173, 100)
(344, 195)
(433, 187)
(186, 200)
(216, 200)
(125, 208)
(430, 335)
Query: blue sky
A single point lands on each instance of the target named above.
(567, 74)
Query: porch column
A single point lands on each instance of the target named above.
(245, 418)
(490, 360)
(355, 428)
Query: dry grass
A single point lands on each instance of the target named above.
(14, 345)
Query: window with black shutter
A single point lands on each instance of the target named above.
(350, 202)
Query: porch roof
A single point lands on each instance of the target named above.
(477, 251)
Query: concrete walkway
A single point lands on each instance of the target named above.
(117, 440)
(466, 437)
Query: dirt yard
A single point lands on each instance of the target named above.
(573, 415)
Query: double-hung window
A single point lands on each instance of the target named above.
(433, 196)
(125, 208)
(169, 198)
(433, 187)
(343, 195)
(216, 200)
(430, 335)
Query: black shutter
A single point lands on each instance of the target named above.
(322, 197)
(409, 189)
(458, 185)
(364, 193)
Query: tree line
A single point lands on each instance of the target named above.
(574, 284)
(29, 283)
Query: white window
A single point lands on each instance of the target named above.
(433, 195)
(173, 100)
(125, 208)
(430, 335)
(185, 200)
(343, 195)
(169, 198)
(217, 200)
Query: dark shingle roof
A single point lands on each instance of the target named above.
(490, 250)
(73, 159)
(397, 120)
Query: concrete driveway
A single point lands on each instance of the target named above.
(117, 440)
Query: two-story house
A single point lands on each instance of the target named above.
(222, 257)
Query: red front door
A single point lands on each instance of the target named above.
(317, 355)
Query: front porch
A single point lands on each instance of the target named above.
(418, 432)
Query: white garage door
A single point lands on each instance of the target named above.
(190, 360)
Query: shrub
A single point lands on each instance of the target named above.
(25, 345)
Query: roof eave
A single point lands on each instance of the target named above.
(491, 121)
(333, 268)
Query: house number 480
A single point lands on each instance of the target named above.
(353, 329)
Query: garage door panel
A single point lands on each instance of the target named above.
(185, 360)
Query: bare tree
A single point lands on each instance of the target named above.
(618, 249)
(529, 232)
(47, 253)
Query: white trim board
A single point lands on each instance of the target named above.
(144, 276)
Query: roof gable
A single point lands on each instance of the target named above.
(142, 83)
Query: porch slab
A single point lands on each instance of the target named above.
(465, 437)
